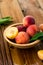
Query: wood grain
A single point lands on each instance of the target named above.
(30, 9)
(18, 9)
(41, 3)
(1, 60)
(4, 47)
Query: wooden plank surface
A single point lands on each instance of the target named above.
(41, 3)
(4, 47)
(18, 9)
(31, 9)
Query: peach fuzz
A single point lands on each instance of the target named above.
(22, 37)
(32, 29)
(28, 20)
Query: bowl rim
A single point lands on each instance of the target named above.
(15, 44)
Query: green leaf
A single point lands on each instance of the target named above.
(41, 38)
(7, 17)
(5, 20)
(37, 36)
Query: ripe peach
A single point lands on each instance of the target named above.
(32, 29)
(21, 28)
(41, 27)
(22, 37)
(28, 20)
(11, 32)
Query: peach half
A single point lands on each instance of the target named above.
(11, 32)
(40, 54)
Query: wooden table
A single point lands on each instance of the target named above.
(18, 9)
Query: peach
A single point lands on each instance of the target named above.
(22, 37)
(11, 32)
(40, 54)
(28, 20)
(41, 27)
(21, 28)
(32, 29)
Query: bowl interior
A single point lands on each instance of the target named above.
(27, 45)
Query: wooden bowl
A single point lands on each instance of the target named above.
(28, 45)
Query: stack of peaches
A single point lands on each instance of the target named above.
(22, 33)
